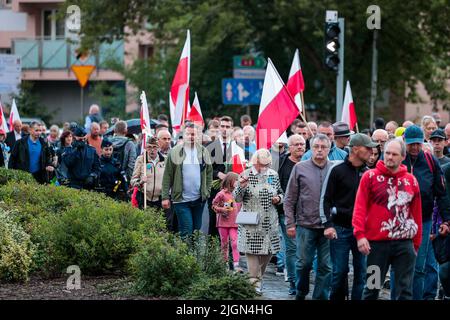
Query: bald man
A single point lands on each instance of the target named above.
(407, 124)
(391, 126)
(93, 116)
(15, 135)
(380, 136)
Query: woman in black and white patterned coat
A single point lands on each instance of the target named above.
(259, 191)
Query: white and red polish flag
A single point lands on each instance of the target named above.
(3, 123)
(179, 91)
(348, 108)
(145, 121)
(195, 114)
(276, 111)
(13, 116)
(237, 158)
(295, 83)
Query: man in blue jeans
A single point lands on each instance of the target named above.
(427, 170)
(187, 180)
(336, 211)
(287, 162)
(301, 208)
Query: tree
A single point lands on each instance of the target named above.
(413, 45)
(29, 103)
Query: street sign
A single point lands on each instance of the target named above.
(249, 62)
(242, 91)
(10, 73)
(83, 73)
(249, 73)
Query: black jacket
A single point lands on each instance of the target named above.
(20, 156)
(109, 173)
(431, 184)
(10, 139)
(215, 150)
(339, 191)
(82, 163)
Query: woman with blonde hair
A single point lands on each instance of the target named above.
(259, 191)
(428, 126)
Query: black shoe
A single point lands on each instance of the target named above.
(299, 298)
(292, 289)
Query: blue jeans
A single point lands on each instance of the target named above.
(431, 282)
(308, 241)
(339, 250)
(189, 215)
(422, 261)
(290, 251)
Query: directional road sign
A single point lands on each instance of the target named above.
(242, 91)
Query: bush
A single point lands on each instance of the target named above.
(227, 287)
(7, 175)
(208, 253)
(16, 249)
(98, 239)
(163, 267)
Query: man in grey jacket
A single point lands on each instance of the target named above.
(301, 208)
(124, 149)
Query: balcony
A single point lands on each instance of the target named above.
(43, 54)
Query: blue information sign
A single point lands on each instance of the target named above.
(242, 91)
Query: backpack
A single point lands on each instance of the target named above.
(119, 154)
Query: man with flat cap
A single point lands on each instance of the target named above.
(336, 212)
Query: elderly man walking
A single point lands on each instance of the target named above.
(301, 208)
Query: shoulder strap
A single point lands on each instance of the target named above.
(430, 161)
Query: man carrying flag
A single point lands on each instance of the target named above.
(15, 127)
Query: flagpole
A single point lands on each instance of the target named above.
(357, 129)
(292, 99)
(303, 105)
(145, 173)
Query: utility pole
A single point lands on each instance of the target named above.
(373, 90)
(340, 73)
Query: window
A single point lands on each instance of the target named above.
(145, 51)
(52, 28)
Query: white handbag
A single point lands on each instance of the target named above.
(247, 217)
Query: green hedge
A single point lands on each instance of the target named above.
(16, 249)
(77, 227)
(7, 175)
(226, 287)
(163, 267)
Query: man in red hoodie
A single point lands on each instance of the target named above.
(387, 222)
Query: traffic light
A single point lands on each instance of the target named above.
(332, 45)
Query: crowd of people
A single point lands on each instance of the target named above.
(327, 200)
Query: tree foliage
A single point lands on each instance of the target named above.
(413, 43)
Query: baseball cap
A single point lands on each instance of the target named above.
(362, 140)
(413, 134)
(106, 143)
(79, 132)
(438, 133)
(399, 131)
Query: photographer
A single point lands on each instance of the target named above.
(82, 162)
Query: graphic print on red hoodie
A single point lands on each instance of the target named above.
(388, 206)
